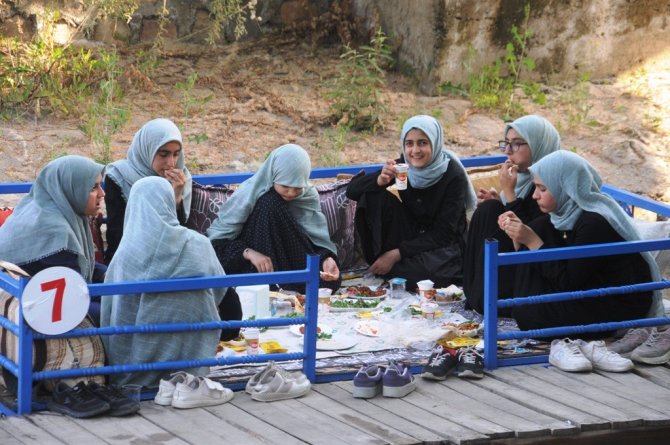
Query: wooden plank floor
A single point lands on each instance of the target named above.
(515, 405)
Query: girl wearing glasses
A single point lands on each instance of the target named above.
(527, 140)
(420, 232)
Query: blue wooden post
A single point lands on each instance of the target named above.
(312, 313)
(491, 304)
(25, 358)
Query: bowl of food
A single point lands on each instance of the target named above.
(449, 295)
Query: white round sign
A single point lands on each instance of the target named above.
(55, 300)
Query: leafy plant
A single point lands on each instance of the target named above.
(494, 86)
(190, 101)
(576, 102)
(356, 92)
(236, 11)
(106, 114)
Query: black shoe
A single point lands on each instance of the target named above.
(470, 363)
(77, 401)
(120, 404)
(440, 364)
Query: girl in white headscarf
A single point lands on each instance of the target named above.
(274, 219)
(526, 141)
(154, 246)
(156, 150)
(577, 212)
(421, 234)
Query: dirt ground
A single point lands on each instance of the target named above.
(270, 92)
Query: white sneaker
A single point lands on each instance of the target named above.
(260, 375)
(602, 358)
(280, 386)
(200, 392)
(566, 356)
(166, 387)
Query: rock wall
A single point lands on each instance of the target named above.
(434, 38)
(570, 37)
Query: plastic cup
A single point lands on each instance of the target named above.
(132, 392)
(324, 299)
(401, 176)
(397, 287)
(428, 310)
(426, 289)
(252, 336)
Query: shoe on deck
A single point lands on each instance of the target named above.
(201, 391)
(368, 382)
(397, 381)
(440, 364)
(120, 404)
(166, 387)
(655, 350)
(260, 375)
(631, 340)
(603, 359)
(77, 401)
(470, 363)
(281, 385)
(566, 356)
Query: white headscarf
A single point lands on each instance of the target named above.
(146, 143)
(288, 165)
(542, 139)
(575, 185)
(51, 219)
(428, 175)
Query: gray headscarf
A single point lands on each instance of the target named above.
(288, 165)
(575, 185)
(542, 139)
(51, 219)
(422, 178)
(146, 143)
(154, 246)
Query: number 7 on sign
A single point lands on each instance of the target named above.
(70, 303)
(59, 286)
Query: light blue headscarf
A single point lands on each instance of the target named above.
(575, 185)
(542, 139)
(288, 165)
(422, 178)
(154, 246)
(51, 219)
(146, 143)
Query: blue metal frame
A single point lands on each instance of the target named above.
(493, 260)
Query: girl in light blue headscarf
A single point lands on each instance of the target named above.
(274, 219)
(419, 232)
(156, 150)
(49, 227)
(155, 246)
(567, 189)
(526, 140)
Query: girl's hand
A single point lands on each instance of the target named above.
(483, 195)
(330, 270)
(508, 176)
(385, 262)
(519, 233)
(177, 178)
(261, 262)
(387, 174)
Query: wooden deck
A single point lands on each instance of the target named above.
(520, 405)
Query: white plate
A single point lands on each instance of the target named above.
(367, 327)
(361, 297)
(295, 329)
(336, 343)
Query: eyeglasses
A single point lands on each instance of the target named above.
(513, 145)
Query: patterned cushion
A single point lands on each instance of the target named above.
(338, 209)
(205, 203)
